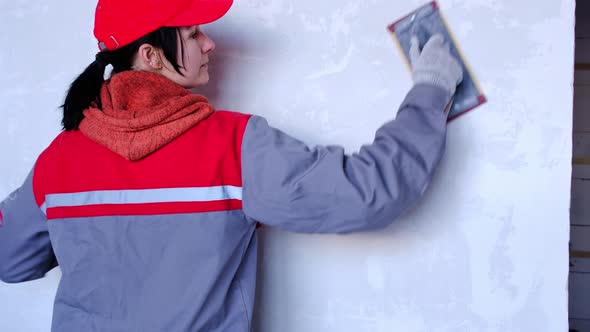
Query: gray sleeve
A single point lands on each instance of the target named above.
(25, 249)
(323, 190)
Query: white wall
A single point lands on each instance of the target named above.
(486, 250)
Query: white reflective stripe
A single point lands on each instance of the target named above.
(44, 208)
(167, 195)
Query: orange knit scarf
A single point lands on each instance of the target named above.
(141, 112)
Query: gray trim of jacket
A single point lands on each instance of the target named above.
(25, 248)
(323, 190)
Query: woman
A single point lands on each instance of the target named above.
(149, 199)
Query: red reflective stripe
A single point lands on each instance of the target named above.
(142, 209)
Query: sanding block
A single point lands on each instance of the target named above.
(423, 23)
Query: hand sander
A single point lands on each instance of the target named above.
(423, 23)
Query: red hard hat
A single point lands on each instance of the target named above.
(120, 22)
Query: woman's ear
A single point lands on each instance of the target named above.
(148, 58)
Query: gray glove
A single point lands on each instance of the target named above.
(435, 64)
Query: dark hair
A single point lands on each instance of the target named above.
(85, 90)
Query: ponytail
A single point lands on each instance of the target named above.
(84, 91)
